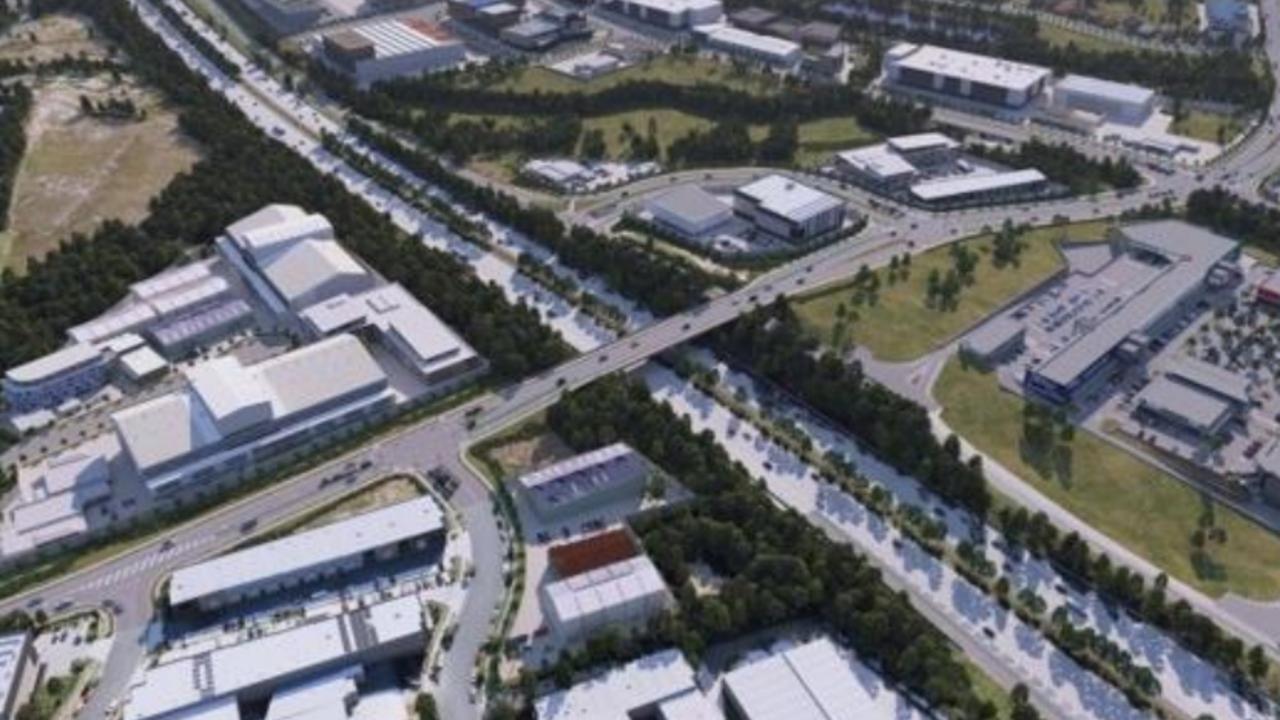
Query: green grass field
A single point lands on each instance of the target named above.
(820, 139)
(1208, 126)
(1061, 37)
(673, 69)
(1138, 505)
(900, 326)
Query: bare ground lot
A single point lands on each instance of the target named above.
(51, 38)
(78, 170)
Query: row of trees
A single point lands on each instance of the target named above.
(775, 566)
(773, 344)
(661, 282)
(243, 170)
(15, 106)
(1231, 215)
(1065, 165)
(198, 41)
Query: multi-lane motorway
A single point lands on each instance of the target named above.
(128, 580)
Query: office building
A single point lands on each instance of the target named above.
(230, 418)
(669, 14)
(983, 187)
(998, 83)
(995, 340)
(925, 150)
(746, 45)
(253, 670)
(755, 19)
(566, 176)
(787, 209)
(876, 166)
(286, 17)
(689, 211)
(46, 382)
(589, 480)
(1117, 102)
(54, 497)
(381, 50)
(309, 556)
(1187, 260)
(622, 594)
(815, 680)
(660, 686)
(18, 671)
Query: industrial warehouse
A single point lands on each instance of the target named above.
(979, 79)
(384, 49)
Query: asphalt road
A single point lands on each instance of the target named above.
(128, 580)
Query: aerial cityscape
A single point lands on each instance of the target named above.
(639, 359)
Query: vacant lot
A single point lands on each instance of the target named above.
(897, 324)
(820, 139)
(1208, 126)
(672, 69)
(1138, 505)
(522, 455)
(51, 38)
(79, 170)
(386, 493)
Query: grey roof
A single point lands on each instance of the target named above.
(12, 648)
(753, 16)
(1193, 252)
(1097, 87)
(306, 550)
(993, 335)
(1213, 379)
(689, 202)
(1195, 407)
(932, 190)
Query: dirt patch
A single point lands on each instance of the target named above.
(80, 170)
(52, 38)
(522, 456)
(390, 492)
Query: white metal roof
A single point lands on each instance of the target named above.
(879, 161)
(143, 362)
(784, 197)
(72, 357)
(233, 399)
(958, 64)
(765, 44)
(1106, 89)
(558, 171)
(164, 429)
(68, 470)
(1217, 380)
(595, 591)
(171, 280)
(674, 7)
(12, 648)
(396, 37)
(193, 325)
(309, 265)
(278, 226)
(641, 683)
(814, 681)
(113, 323)
(933, 190)
(222, 672)
(201, 291)
(318, 698)
(921, 141)
(317, 374)
(306, 550)
(220, 709)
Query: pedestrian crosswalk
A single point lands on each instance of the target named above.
(142, 563)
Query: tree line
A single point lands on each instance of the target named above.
(205, 48)
(774, 345)
(775, 566)
(15, 106)
(1224, 212)
(661, 282)
(242, 171)
(1065, 165)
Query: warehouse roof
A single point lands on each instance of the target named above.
(142, 362)
(1214, 379)
(922, 141)
(164, 429)
(676, 6)
(753, 16)
(402, 36)
(171, 280)
(879, 161)
(114, 323)
(969, 66)
(780, 195)
(1118, 92)
(1196, 407)
(613, 585)
(558, 172)
(308, 265)
(584, 474)
(1192, 252)
(316, 374)
(815, 681)
(764, 44)
(934, 190)
(306, 550)
(222, 672)
(993, 335)
(320, 698)
(639, 684)
(191, 295)
(690, 203)
(72, 357)
(277, 226)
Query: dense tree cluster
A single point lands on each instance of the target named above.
(1233, 216)
(774, 345)
(729, 143)
(661, 282)
(242, 171)
(198, 41)
(1065, 165)
(775, 566)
